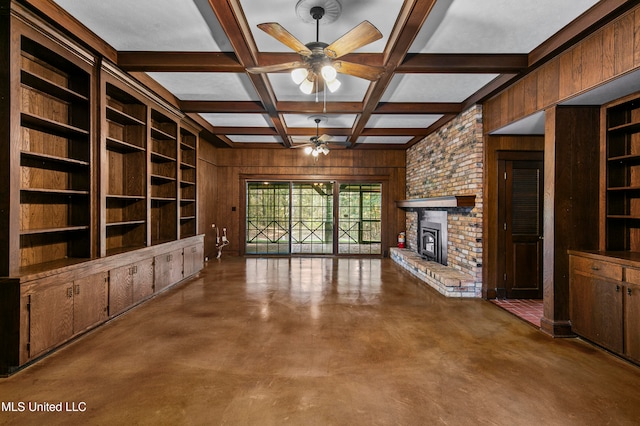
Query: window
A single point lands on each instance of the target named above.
(298, 218)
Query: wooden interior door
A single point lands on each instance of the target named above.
(520, 207)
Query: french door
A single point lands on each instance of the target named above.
(322, 217)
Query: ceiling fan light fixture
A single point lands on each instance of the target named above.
(308, 150)
(298, 75)
(329, 73)
(325, 150)
(306, 86)
(333, 85)
(315, 153)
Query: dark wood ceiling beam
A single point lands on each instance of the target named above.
(463, 63)
(179, 61)
(490, 89)
(407, 26)
(244, 107)
(275, 58)
(295, 107)
(235, 26)
(418, 108)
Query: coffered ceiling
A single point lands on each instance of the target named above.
(439, 57)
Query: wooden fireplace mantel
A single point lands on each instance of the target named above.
(442, 202)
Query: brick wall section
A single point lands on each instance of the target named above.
(449, 162)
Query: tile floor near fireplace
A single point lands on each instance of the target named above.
(530, 310)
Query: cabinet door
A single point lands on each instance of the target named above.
(596, 309)
(193, 259)
(142, 280)
(90, 300)
(120, 289)
(168, 269)
(632, 321)
(50, 316)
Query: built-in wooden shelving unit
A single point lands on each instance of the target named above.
(621, 175)
(97, 196)
(55, 157)
(188, 145)
(125, 147)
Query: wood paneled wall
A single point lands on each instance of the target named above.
(608, 53)
(222, 195)
(571, 196)
(207, 192)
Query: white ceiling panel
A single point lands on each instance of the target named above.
(434, 87)
(254, 139)
(202, 86)
(390, 121)
(495, 26)
(152, 25)
(400, 140)
(332, 120)
(237, 120)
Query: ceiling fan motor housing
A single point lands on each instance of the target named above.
(317, 12)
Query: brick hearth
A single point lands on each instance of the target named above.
(447, 280)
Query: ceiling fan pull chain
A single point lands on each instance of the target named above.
(324, 96)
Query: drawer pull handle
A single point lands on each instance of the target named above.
(629, 291)
(617, 289)
(595, 268)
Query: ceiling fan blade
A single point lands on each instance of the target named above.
(367, 72)
(324, 138)
(303, 145)
(278, 32)
(360, 35)
(275, 68)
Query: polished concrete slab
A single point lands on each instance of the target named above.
(321, 341)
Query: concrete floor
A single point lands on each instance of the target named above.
(322, 342)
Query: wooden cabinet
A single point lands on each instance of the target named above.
(632, 314)
(168, 269)
(193, 259)
(596, 309)
(605, 300)
(129, 285)
(57, 311)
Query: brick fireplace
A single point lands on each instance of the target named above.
(445, 165)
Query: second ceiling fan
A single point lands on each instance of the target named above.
(319, 59)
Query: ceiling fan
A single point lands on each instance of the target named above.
(318, 144)
(320, 59)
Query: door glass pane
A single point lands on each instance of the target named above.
(267, 226)
(312, 218)
(359, 217)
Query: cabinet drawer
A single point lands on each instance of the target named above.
(597, 267)
(632, 275)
